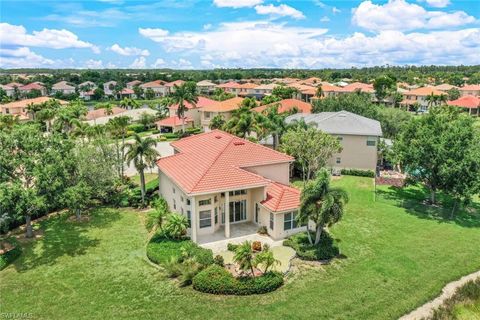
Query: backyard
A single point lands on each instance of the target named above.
(396, 255)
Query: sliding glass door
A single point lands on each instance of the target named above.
(238, 211)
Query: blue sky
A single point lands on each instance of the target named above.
(204, 34)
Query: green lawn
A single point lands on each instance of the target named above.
(469, 311)
(148, 177)
(394, 260)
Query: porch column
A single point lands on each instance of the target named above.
(193, 219)
(227, 214)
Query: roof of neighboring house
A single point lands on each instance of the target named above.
(472, 87)
(364, 87)
(230, 84)
(110, 82)
(134, 83)
(300, 87)
(445, 87)
(6, 87)
(205, 83)
(268, 86)
(467, 101)
(342, 122)
(98, 113)
(24, 103)
(247, 85)
(87, 83)
(327, 87)
(14, 84)
(31, 86)
(153, 84)
(424, 91)
(281, 197)
(174, 83)
(224, 106)
(127, 91)
(135, 114)
(202, 102)
(311, 80)
(286, 105)
(62, 85)
(217, 161)
(173, 121)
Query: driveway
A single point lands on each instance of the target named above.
(165, 150)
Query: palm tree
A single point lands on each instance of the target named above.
(33, 108)
(321, 204)
(176, 226)
(277, 125)
(319, 93)
(185, 93)
(244, 257)
(143, 154)
(242, 122)
(217, 122)
(265, 258)
(118, 126)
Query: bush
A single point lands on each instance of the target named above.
(136, 127)
(219, 261)
(162, 138)
(325, 250)
(151, 188)
(262, 230)
(193, 130)
(170, 135)
(467, 294)
(358, 173)
(218, 280)
(10, 256)
(232, 247)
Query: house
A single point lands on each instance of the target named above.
(157, 86)
(193, 111)
(8, 90)
(62, 87)
(358, 87)
(312, 81)
(263, 90)
(287, 105)
(19, 108)
(419, 96)
(219, 181)
(132, 84)
(470, 89)
(86, 86)
(109, 87)
(171, 85)
(358, 136)
(174, 124)
(444, 87)
(206, 87)
(230, 87)
(102, 112)
(33, 86)
(126, 93)
(223, 108)
(469, 102)
(246, 89)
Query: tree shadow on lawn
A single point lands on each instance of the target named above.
(412, 199)
(63, 237)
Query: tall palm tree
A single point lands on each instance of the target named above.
(128, 103)
(277, 125)
(143, 154)
(185, 93)
(119, 127)
(321, 204)
(242, 123)
(319, 93)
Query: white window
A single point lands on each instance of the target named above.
(188, 202)
(205, 218)
(205, 202)
(339, 160)
(174, 204)
(271, 221)
(207, 115)
(371, 141)
(289, 221)
(237, 192)
(189, 218)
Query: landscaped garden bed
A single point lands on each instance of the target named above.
(326, 249)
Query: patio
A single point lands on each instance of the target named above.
(239, 233)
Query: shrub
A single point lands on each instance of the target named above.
(466, 294)
(136, 127)
(326, 248)
(129, 133)
(219, 261)
(358, 173)
(170, 135)
(193, 130)
(10, 256)
(162, 138)
(173, 268)
(232, 247)
(262, 230)
(218, 280)
(256, 246)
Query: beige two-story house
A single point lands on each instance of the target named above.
(223, 108)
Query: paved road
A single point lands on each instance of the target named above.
(165, 150)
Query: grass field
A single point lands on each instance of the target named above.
(397, 255)
(148, 177)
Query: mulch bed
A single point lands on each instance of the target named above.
(5, 247)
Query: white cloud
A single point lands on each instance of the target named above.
(158, 63)
(22, 57)
(438, 3)
(139, 63)
(237, 3)
(129, 51)
(325, 19)
(181, 64)
(153, 33)
(280, 11)
(401, 15)
(319, 3)
(47, 38)
(207, 26)
(335, 10)
(94, 64)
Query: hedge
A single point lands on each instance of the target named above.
(10, 256)
(171, 135)
(217, 280)
(358, 173)
(151, 188)
(161, 250)
(325, 250)
(136, 127)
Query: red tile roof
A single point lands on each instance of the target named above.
(31, 86)
(224, 106)
(217, 161)
(98, 113)
(364, 87)
(230, 84)
(127, 91)
(424, 91)
(281, 197)
(153, 84)
(173, 121)
(468, 101)
(286, 105)
(202, 102)
(173, 83)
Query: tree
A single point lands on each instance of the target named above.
(453, 94)
(78, 198)
(319, 92)
(143, 154)
(98, 94)
(270, 99)
(185, 93)
(284, 92)
(358, 103)
(118, 126)
(321, 204)
(435, 150)
(139, 92)
(393, 120)
(33, 108)
(265, 258)
(147, 120)
(384, 86)
(149, 94)
(244, 257)
(310, 147)
(176, 225)
(275, 124)
(242, 123)
(161, 212)
(68, 116)
(217, 122)
(48, 113)
(128, 103)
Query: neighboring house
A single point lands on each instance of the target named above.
(230, 87)
(102, 112)
(171, 85)
(126, 93)
(218, 180)
(86, 89)
(109, 87)
(419, 96)
(357, 135)
(263, 90)
(287, 105)
(470, 103)
(19, 108)
(223, 108)
(313, 81)
(8, 90)
(33, 86)
(444, 87)
(134, 114)
(358, 87)
(206, 87)
(173, 124)
(246, 89)
(470, 89)
(193, 112)
(132, 84)
(157, 86)
(62, 87)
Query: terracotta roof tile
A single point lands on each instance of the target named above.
(468, 101)
(202, 102)
(173, 121)
(287, 105)
(224, 106)
(281, 197)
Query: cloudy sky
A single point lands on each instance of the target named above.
(204, 34)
